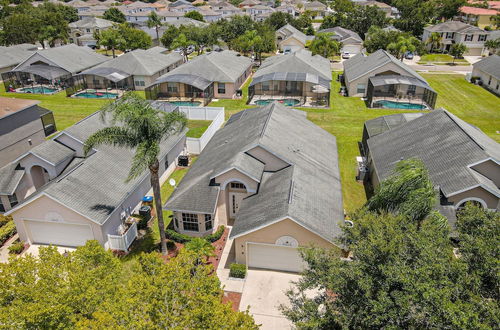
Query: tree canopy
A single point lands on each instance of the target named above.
(115, 15)
(324, 45)
(194, 15)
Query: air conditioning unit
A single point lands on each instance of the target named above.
(362, 168)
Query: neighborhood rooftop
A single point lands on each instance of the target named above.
(490, 64)
(453, 26)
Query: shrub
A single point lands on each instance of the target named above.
(171, 245)
(215, 236)
(143, 221)
(7, 231)
(16, 248)
(4, 220)
(237, 270)
(177, 237)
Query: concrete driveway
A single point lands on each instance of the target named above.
(263, 292)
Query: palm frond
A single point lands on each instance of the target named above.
(173, 122)
(114, 135)
(145, 155)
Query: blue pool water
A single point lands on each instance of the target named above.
(398, 105)
(97, 95)
(39, 90)
(186, 103)
(287, 102)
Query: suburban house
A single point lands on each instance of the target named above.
(274, 177)
(288, 9)
(133, 70)
(455, 32)
(318, 9)
(48, 69)
(218, 74)
(295, 79)
(226, 9)
(11, 56)
(386, 82)
(481, 17)
(289, 39)
(259, 12)
(350, 40)
(23, 125)
(66, 198)
(82, 31)
(380, 5)
(462, 161)
(488, 70)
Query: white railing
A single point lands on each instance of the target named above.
(215, 114)
(122, 242)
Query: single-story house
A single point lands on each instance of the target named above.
(488, 70)
(52, 67)
(455, 32)
(463, 162)
(298, 76)
(289, 39)
(133, 70)
(11, 56)
(387, 82)
(82, 32)
(218, 74)
(23, 125)
(72, 198)
(274, 177)
(351, 41)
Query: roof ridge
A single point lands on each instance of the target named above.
(463, 130)
(267, 120)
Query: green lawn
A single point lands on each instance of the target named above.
(441, 59)
(197, 128)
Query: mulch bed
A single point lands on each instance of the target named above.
(219, 247)
(232, 297)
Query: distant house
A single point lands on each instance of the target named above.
(23, 125)
(288, 9)
(82, 31)
(133, 70)
(11, 56)
(318, 9)
(273, 176)
(387, 82)
(380, 5)
(289, 39)
(455, 32)
(351, 41)
(226, 9)
(481, 17)
(462, 161)
(488, 70)
(72, 198)
(259, 12)
(299, 76)
(211, 75)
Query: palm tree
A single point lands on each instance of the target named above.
(324, 45)
(402, 45)
(201, 248)
(137, 125)
(434, 40)
(492, 45)
(457, 51)
(154, 21)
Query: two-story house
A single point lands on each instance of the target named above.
(82, 31)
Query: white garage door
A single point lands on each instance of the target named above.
(43, 232)
(274, 257)
(351, 49)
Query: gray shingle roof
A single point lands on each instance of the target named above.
(454, 26)
(382, 124)
(9, 179)
(341, 34)
(225, 66)
(489, 65)
(91, 22)
(446, 144)
(13, 55)
(291, 31)
(316, 198)
(361, 65)
(52, 152)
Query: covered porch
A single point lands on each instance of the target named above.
(291, 89)
(410, 92)
(181, 88)
(37, 78)
(102, 82)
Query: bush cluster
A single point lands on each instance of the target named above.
(7, 231)
(237, 270)
(16, 248)
(182, 238)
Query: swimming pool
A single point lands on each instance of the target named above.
(398, 105)
(287, 102)
(186, 103)
(39, 90)
(97, 95)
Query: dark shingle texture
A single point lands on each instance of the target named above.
(489, 65)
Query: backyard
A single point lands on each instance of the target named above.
(197, 128)
(441, 59)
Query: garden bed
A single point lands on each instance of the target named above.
(232, 297)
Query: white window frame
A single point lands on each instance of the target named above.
(190, 219)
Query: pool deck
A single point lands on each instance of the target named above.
(396, 100)
(90, 90)
(55, 89)
(303, 101)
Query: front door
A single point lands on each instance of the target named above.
(234, 203)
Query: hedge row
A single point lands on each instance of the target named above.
(5, 220)
(182, 238)
(7, 231)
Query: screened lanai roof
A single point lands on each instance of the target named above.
(292, 76)
(111, 74)
(45, 71)
(398, 80)
(196, 81)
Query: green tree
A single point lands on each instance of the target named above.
(435, 40)
(111, 39)
(182, 42)
(278, 19)
(495, 21)
(448, 9)
(19, 28)
(402, 45)
(201, 249)
(414, 15)
(194, 15)
(267, 41)
(134, 38)
(378, 38)
(247, 42)
(92, 289)
(324, 45)
(154, 21)
(457, 51)
(229, 30)
(142, 128)
(115, 15)
(493, 45)
(356, 18)
(169, 35)
(202, 36)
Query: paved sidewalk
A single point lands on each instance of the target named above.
(227, 283)
(4, 250)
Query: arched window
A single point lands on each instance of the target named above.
(476, 201)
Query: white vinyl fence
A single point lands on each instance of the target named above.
(215, 114)
(122, 242)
